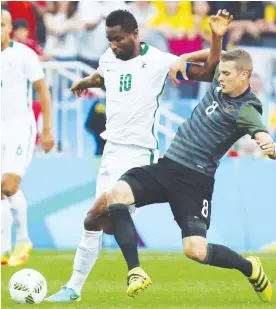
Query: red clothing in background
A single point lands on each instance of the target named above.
(37, 114)
(34, 46)
(23, 9)
(41, 3)
(183, 46)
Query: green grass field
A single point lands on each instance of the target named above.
(177, 283)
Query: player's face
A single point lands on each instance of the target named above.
(6, 29)
(121, 42)
(230, 78)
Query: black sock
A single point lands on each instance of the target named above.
(221, 256)
(125, 233)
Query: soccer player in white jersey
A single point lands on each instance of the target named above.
(134, 75)
(20, 69)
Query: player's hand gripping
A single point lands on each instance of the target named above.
(47, 140)
(219, 23)
(268, 147)
(179, 65)
(77, 89)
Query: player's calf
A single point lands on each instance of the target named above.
(118, 200)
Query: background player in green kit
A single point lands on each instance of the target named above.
(184, 177)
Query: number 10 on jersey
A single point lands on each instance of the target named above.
(125, 82)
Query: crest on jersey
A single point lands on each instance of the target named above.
(230, 108)
(144, 65)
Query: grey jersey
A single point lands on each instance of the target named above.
(215, 124)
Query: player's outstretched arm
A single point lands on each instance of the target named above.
(219, 25)
(80, 87)
(44, 96)
(180, 65)
(265, 141)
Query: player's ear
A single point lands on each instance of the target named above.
(135, 33)
(244, 75)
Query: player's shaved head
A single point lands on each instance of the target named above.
(6, 28)
(6, 16)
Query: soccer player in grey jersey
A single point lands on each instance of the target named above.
(220, 119)
(184, 177)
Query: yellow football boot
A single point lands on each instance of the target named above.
(137, 280)
(20, 254)
(259, 280)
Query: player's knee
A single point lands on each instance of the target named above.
(120, 194)
(93, 221)
(196, 250)
(89, 222)
(9, 188)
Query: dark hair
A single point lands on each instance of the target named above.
(72, 8)
(241, 57)
(122, 18)
(20, 23)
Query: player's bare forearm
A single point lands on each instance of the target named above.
(265, 141)
(215, 53)
(93, 81)
(200, 73)
(45, 101)
(206, 73)
(219, 26)
(197, 56)
(80, 88)
(212, 57)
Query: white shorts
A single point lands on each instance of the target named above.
(119, 158)
(17, 146)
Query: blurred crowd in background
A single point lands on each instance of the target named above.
(75, 30)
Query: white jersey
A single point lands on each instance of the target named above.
(133, 90)
(20, 67)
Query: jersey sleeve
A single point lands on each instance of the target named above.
(32, 66)
(249, 121)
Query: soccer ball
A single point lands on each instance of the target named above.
(28, 286)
